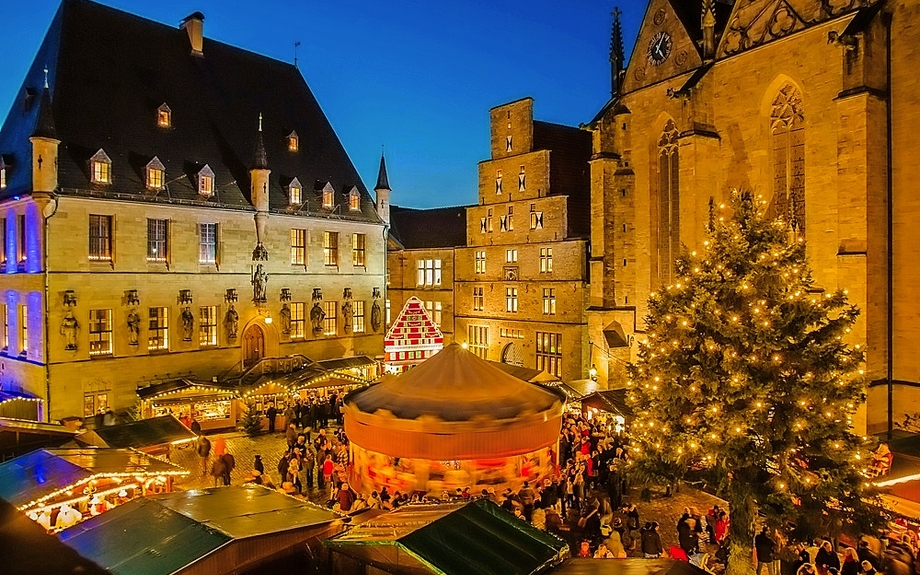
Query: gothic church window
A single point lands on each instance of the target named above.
(668, 202)
(787, 124)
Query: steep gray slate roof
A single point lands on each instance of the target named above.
(430, 228)
(109, 71)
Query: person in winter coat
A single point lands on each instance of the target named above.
(651, 541)
(826, 558)
(345, 497)
(688, 539)
(271, 413)
(203, 449)
(765, 548)
(229, 464)
(850, 564)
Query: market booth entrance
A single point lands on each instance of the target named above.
(454, 421)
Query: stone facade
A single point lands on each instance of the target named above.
(802, 114)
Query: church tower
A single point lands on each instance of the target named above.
(383, 192)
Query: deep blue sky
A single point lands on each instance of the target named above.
(417, 77)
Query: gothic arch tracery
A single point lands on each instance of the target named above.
(668, 201)
(787, 127)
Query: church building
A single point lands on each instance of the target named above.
(172, 207)
(807, 103)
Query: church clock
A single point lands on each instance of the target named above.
(659, 48)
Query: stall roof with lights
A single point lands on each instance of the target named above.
(176, 386)
(18, 436)
(611, 401)
(42, 474)
(633, 566)
(199, 531)
(142, 434)
(452, 539)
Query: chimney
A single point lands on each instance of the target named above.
(193, 24)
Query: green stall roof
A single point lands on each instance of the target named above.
(452, 539)
(139, 434)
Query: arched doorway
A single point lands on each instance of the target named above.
(513, 355)
(253, 345)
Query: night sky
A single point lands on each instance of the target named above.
(416, 77)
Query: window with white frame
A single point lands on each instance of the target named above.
(387, 306)
(158, 329)
(478, 340)
(207, 243)
(511, 256)
(299, 247)
(510, 218)
(546, 260)
(478, 298)
(354, 200)
(207, 326)
(549, 301)
(100, 332)
(157, 240)
(206, 181)
(358, 325)
(295, 192)
(331, 248)
(511, 299)
(358, 249)
(429, 272)
(100, 168)
(536, 218)
(330, 323)
(2, 175)
(549, 352)
(155, 173)
(100, 238)
(298, 321)
(328, 197)
(480, 261)
(434, 311)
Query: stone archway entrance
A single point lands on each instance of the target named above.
(253, 345)
(513, 355)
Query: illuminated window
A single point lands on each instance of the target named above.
(6, 327)
(480, 261)
(478, 299)
(157, 240)
(330, 321)
(668, 236)
(293, 142)
(511, 300)
(100, 238)
(546, 260)
(164, 116)
(549, 353)
(297, 320)
(206, 181)
(549, 301)
(22, 252)
(387, 305)
(100, 168)
(2, 242)
(358, 245)
(299, 247)
(331, 248)
(100, 332)
(536, 218)
(358, 317)
(429, 272)
(158, 329)
(478, 340)
(2, 174)
(207, 326)
(155, 171)
(295, 192)
(24, 328)
(788, 128)
(511, 256)
(354, 200)
(510, 218)
(207, 243)
(328, 197)
(434, 311)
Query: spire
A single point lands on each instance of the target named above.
(382, 182)
(617, 56)
(260, 160)
(44, 125)
(709, 28)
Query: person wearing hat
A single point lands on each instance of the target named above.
(258, 465)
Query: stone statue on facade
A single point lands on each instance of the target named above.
(376, 314)
(188, 324)
(231, 322)
(69, 327)
(134, 327)
(259, 284)
(347, 311)
(285, 319)
(317, 315)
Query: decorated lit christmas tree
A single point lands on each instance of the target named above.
(747, 379)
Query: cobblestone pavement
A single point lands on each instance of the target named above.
(665, 510)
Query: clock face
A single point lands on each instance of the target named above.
(659, 48)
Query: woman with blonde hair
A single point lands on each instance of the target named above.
(850, 562)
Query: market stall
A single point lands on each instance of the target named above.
(212, 405)
(61, 487)
(18, 437)
(20, 405)
(155, 435)
(453, 421)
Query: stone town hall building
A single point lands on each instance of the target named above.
(811, 103)
(163, 197)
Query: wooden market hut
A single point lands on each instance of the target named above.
(453, 421)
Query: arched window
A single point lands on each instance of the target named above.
(668, 202)
(787, 124)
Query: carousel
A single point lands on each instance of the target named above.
(454, 421)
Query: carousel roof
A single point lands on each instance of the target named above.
(455, 385)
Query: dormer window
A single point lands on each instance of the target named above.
(3, 169)
(100, 168)
(354, 200)
(293, 142)
(155, 172)
(295, 192)
(164, 116)
(328, 196)
(206, 181)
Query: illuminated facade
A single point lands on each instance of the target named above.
(159, 223)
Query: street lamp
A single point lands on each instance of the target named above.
(592, 373)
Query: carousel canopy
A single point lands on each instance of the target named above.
(37, 475)
(451, 539)
(455, 385)
(170, 533)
